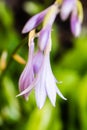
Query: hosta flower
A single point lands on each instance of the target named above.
(37, 73)
(46, 85)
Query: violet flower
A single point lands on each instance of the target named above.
(46, 85)
(44, 81)
(38, 74)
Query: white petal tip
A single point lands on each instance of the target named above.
(40, 106)
(64, 98)
(53, 103)
(20, 94)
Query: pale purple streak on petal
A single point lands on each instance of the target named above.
(27, 75)
(37, 61)
(66, 8)
(50, 83)
(44, 37)
(75, 25)
(28, 89)
(34, 21)
(40, 92)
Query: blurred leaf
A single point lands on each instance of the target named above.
(12, 109)
(33, 7)
(77, 57)
(40, 119)
(5, 15)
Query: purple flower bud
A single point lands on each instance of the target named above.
(34, 21)
(75, 25)
(66, 8)
(44, 37)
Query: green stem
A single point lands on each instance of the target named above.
(24, 41)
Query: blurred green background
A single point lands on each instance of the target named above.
(69, 65)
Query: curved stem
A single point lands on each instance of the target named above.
(15, 50)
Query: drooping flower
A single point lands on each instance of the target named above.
(38, 74)
(46, 85)
(44, 81)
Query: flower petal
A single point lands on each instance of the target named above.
(40, 94)
(60, 94)
(66, 8)
(37, 61)
(34, 21)
(27, 90)
(75, 25)
(51, 92)
(50, 83)
(27, 75)
(44, 37)
(40, 90)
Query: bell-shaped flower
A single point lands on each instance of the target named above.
(44, 81)
(46, 85)
(66, 9)
(27, 75)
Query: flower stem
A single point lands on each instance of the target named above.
(24, 41)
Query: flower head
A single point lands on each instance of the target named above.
(44, 81)
(37, 73)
